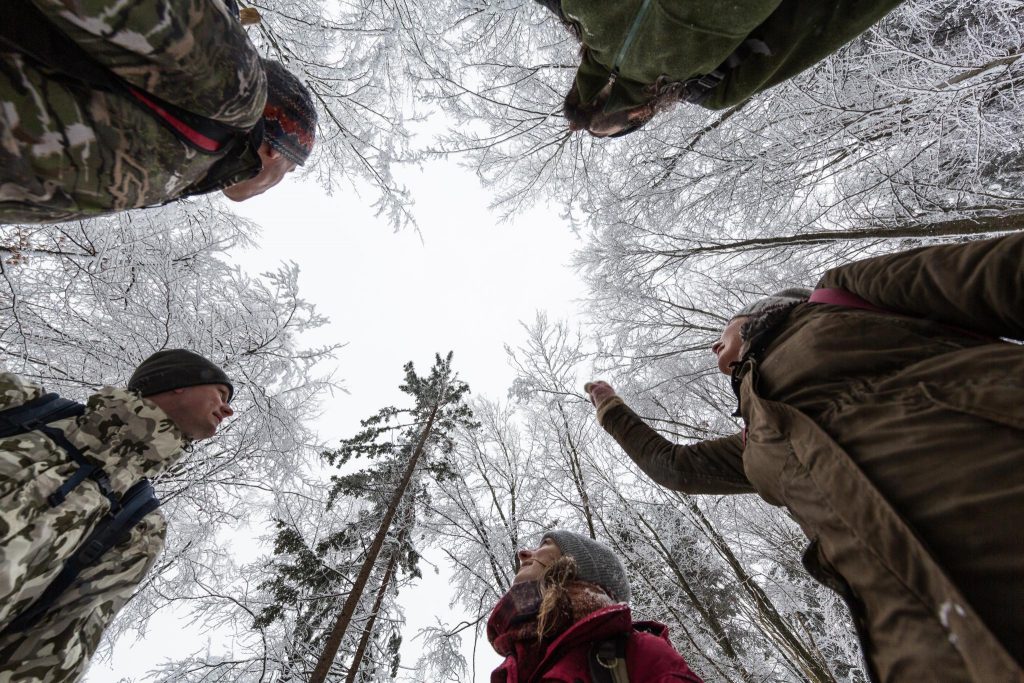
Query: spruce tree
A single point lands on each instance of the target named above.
(414, 441)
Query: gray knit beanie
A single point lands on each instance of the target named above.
(786, 297)
(595, 562)
(176, 369)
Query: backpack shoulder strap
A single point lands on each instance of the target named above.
(37, 413)
(608, 660)
(137, 502)
(842, 297)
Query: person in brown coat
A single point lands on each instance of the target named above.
(885, 411)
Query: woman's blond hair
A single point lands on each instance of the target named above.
(555, 613)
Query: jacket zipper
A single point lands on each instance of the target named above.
(630, 36)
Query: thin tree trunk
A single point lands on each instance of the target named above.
(776, 626)
(717, 629)
(966, 226)
(710, 618)
(323, 666)
(576, 468)
(364, 640)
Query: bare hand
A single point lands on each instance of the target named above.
(598, 391)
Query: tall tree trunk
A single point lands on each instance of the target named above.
(364, 640)
(323, 666)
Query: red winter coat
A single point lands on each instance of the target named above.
(650, 656)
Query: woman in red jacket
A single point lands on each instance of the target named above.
(566, 619)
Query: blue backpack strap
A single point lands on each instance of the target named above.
(37, 412)
(86, 470)
(35, 415)
(113, 529)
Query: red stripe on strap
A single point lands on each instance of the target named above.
(841, 297)
(195, 137)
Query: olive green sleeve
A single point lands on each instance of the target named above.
(978, 286)
(714, 466)
(190, 53)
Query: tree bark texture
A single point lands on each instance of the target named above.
(323, 666)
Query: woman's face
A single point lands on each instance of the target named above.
(728, 346)
(533, 563)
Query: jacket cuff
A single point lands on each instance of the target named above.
(607, 404)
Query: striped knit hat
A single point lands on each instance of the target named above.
(289, 119)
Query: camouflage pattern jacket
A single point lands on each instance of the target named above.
(132, 438)
(69, 150)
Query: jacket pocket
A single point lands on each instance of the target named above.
(1002, 402)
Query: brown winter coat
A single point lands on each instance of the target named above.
(896, 441)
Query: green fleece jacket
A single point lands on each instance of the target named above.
(647, 39)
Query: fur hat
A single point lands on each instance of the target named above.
(781, 299)
(289, 119)
(595, 562)
(175, 369)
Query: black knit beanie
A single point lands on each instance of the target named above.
(595, 562)
(289, 119)
(176, 369)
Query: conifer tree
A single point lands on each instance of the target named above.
(413, 441)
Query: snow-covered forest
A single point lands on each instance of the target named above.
(912, 134)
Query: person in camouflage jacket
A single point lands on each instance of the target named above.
(174, 397)
(72, 148)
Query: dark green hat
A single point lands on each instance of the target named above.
(175, 369)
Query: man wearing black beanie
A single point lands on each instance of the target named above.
(73, 475)
(193, 392)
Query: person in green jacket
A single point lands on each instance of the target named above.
(174, 397)
(639, 57)
(883, 410)
(107, 106)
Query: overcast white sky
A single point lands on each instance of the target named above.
(463, 284)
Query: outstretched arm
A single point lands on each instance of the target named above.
(978, 286)
(714, 466)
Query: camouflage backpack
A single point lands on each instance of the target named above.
(125, 511)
